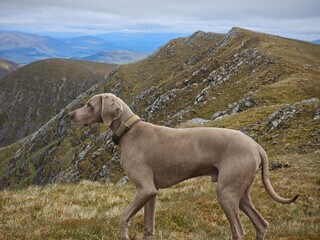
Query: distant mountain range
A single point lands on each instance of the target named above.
(116, 56)
(25, 48)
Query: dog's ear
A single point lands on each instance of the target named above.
(111, 109)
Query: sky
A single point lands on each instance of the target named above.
(299, 19)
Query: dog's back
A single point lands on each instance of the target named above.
(174, 155)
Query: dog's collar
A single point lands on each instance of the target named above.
(124, 128)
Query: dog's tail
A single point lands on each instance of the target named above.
(266, 181)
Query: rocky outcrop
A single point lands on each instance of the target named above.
(243, 104)
(285, 113)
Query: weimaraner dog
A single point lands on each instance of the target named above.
(155, 157)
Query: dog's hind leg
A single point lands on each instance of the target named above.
(230, 205)
(233, 181)
(257, 220)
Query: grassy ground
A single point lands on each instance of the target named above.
(190, 210)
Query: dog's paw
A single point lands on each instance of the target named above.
(124, 237)
(147, 238)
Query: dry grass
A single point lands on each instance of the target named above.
(190, 210)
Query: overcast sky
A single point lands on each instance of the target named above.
(298, 19)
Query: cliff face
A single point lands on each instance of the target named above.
(263, 85)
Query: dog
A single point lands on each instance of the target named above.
(155, 157)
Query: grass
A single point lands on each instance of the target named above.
(189, 210)
(291, 89)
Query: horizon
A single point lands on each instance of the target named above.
(288, 18)
(83, 34)
(66, 35)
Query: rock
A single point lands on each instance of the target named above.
(186, 82)
(275, 123)
(142, 96)
(122, 181)
(286, 112)
(160, 101)
(242, 104)
(311, 100)
(281, 115)
(236, 109)
(197, 121)
(317, 115)
(215, 115)
(18, 153)
(248, 103)
(98, 152)
(201, 95)
(179, 115)
(198, 72)
(275, 166)
(105, 170)
(220, 117)
(83, 153)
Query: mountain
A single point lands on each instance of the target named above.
(7, 66)
(264, 85)
(84, 42)
(116, 56)
(86, 45)
(316, 41)
(138, 41)
(25, 48)
(33, 94)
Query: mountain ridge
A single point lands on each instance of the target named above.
(33, 94)
(263, 85)
(7, 66)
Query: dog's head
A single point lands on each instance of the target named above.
(100, 108)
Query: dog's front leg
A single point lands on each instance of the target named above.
(142, 196)
(149, 218)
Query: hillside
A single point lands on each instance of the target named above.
(7, 67)
(33, 94)
(263, 85)
(116, 56)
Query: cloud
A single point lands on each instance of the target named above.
(292, 18)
